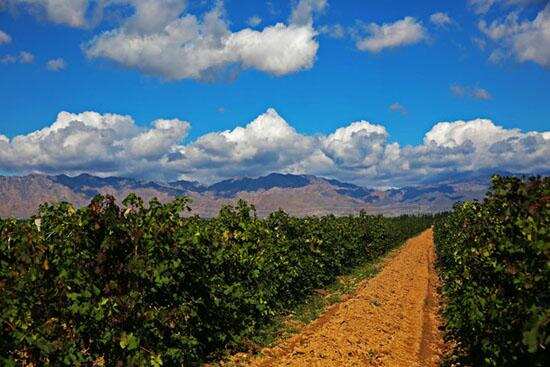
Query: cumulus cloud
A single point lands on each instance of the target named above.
(68, 12)
(482, 144)
(526, 40)
(480, 132)
(4, 37)
(92, 142)
(110, 144)
(406, 31)
(268, 143)
(175, 45)
(361, 144)
(442, 20)
(56, 64)
(471, 92)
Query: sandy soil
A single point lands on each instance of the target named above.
(392, 320)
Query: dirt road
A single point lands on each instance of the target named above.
(392, 320)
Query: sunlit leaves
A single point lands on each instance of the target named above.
(494, 258)
(147, 284)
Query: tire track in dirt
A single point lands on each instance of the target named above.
(392, 320)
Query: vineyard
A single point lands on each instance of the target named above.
(150, 285)
(494, 259)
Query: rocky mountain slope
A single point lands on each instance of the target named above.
(296, 194)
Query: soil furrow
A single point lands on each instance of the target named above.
(392, 320)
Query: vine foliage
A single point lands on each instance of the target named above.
(494, 258)
(142, 285)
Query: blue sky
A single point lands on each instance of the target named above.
(436, 77)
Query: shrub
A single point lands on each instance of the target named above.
(146, 285)
(494, 258)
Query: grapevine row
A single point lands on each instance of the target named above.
(146, 285)
(494, 259)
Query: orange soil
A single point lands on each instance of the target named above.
(392, 320)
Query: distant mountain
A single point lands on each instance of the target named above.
(479, 176)
(296, 194)
(433, 197)
(21, 196)
(229, 188)
(317, 197)
(189, 186)
(92, 185)
(119, 187)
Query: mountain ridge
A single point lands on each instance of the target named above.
(297, 194)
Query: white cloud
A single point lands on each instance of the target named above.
(480, 93)
(278, 50)
(26, 57)
(403, 32)
(498, 56)
(360, 144)
(151, 144)
(180, 47)
(67, 12)
(526, 40)
(56, 64)
(398, 107)
(480, 43)
(8, 59)
(500, 29)
(476, 144)
(483, 6)
(254, 21)
(151, 16)
(334, 30)
(441, 19)
(302, 13)
(110, 144)
(4, 37)
(92, 142)
(479, 131)
(472, 92)
(268, 143)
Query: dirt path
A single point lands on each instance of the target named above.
(392, 320)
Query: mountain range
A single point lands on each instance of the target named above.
(20, 196)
